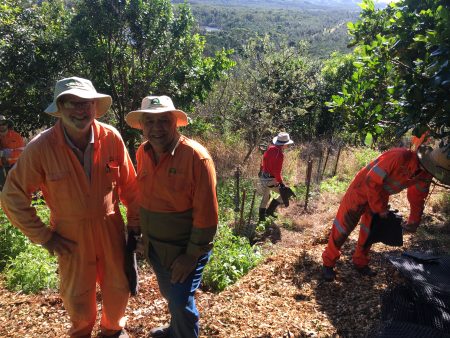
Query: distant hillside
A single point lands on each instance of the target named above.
(281, 4)
(230, 26)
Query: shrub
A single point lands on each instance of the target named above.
(31, 271)
(226, 194)
(13, 241)
(27, 267)
(334, 185)
(231, 259)
(365, 155)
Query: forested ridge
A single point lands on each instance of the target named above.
(287, 4)
(230, 27)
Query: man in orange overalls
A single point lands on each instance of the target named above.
(84, 170)
(179, 210)
(11, 145)
(369, 192)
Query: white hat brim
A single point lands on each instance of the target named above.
(103, 101)
(275, 142)
(133, 118)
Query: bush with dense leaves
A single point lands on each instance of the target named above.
(231, 259)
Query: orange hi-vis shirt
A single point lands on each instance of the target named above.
(48, 163)
(183, 179)
(390, 173)
(14, 141)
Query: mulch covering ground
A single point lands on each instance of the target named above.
(283, 297)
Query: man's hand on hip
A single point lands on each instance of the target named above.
(59, 245)
(181, 267)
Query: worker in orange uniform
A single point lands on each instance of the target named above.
(84, 170)
(11, 145)
(179, 210)
(270, 174)
(368, 194)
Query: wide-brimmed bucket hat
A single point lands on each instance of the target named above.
(156, 105)
(282, 139)
(436, 161)
(81, 88)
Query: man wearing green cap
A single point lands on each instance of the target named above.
(83, 169)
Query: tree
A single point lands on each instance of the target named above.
(402, 80)
(334, 73)
(131, 49)
(272, 88)
(33, 53)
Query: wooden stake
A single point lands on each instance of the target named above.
(308, 181)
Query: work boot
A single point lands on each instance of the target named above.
(160, 332)
(271, 209)
(262, 214)
(328, 273)
(365, 271)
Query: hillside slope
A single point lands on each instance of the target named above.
(283, 297)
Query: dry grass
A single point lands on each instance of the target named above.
(440, 203)
(228, 156)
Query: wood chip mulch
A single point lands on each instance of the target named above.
(283, 297)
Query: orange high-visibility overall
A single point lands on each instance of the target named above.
(13, 141)
(86, 212)
(369, 193)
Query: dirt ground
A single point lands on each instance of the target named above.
(283, 297)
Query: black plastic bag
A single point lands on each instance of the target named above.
(386, 230)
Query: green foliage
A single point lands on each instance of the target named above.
(128, 49)
(231, 259)
(134, 48)
(274, 87)
(334, 185)
(334, 73)
(231, 27)
(365, 155)
(199, 127)
(402, 76)
(31, 270)
(26, 266)
(13, 241)
(33, 52)
(299, 190)
(226, 196)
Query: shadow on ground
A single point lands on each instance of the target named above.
(352, 301)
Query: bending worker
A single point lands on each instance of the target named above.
(179, 210)
(369, 192)
(270, 174)
(84, 170)
(11, 145)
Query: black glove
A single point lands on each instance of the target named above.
(286, 193)
(131, 269)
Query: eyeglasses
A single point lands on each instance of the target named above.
(77, 104)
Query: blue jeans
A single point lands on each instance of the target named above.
(180, 296)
